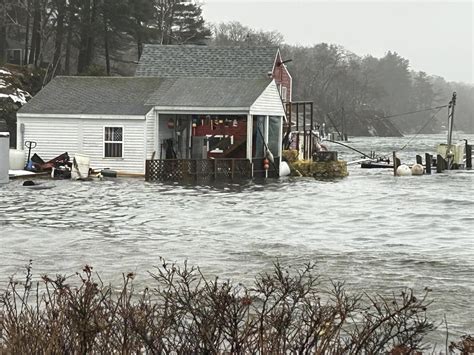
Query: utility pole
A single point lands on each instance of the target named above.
(449, 152)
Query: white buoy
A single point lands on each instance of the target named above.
(4, 157)
(284, 169)
(403, 170)
(417, 169)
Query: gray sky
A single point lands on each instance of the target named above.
(436, 36)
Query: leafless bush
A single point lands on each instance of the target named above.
(283, 312)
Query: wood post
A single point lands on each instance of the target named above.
(396, 163)
(440, 164)
(419, 160)
(468, 156)
(428, 163)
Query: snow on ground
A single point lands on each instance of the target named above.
(17, 95)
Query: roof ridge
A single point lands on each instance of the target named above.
(208, 46)
(100, 77)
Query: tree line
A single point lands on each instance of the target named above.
(106, 37)
(83, 36)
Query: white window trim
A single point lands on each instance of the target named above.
(104, 142)
(284, 93)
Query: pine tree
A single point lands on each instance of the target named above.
(188, 24)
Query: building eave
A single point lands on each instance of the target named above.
(81, 116)
(202, 110)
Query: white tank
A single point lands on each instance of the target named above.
(284, 169)
(4, 157)
(17, 159)
(403, 170)
(417, 169)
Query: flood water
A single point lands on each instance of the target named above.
(377, 232)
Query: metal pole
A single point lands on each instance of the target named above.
(298, 126)
(452, 104)
(304, 132)
(311, 132)
(449, 152)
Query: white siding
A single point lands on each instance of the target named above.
(133, 160)
(53, 137)
(86, 136)
(268, 103)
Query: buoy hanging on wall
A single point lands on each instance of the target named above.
(403, 170)
(266, 164)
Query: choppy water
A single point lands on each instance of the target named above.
(375, 231)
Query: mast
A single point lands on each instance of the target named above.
(449, 152)
(451, 106)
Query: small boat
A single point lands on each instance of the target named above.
(376, 165)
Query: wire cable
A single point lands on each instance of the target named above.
(411, 112)
(422, 128)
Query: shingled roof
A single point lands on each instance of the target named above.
(136, 96)
(93, 95)
(208, 92)
(179, 61)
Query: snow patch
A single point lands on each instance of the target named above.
(18, 97)
(5, 72)
(3, 84)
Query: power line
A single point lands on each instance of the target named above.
(422, 128)
(411, 112)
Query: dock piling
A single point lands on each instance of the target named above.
(468, 156)
(440, 164)
(396, 163)
(428, 159)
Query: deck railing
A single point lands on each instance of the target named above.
(197, 170)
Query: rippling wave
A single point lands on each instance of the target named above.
(377, 232)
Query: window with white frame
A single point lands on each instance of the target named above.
(113, 142)
(284, 93)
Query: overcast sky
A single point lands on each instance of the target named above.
(436, 36)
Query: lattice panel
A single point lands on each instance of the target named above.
(198, 171)
(223, 169)
(242, 169)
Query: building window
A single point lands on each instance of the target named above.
(284, 94)
(113, 142)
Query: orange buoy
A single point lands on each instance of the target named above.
(266, 164)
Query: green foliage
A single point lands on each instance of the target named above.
(23, 81)
(333, 78)
(188, 25)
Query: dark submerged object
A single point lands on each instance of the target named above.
(35, 186)
(376, 165)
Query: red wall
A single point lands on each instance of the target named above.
(282, 77)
